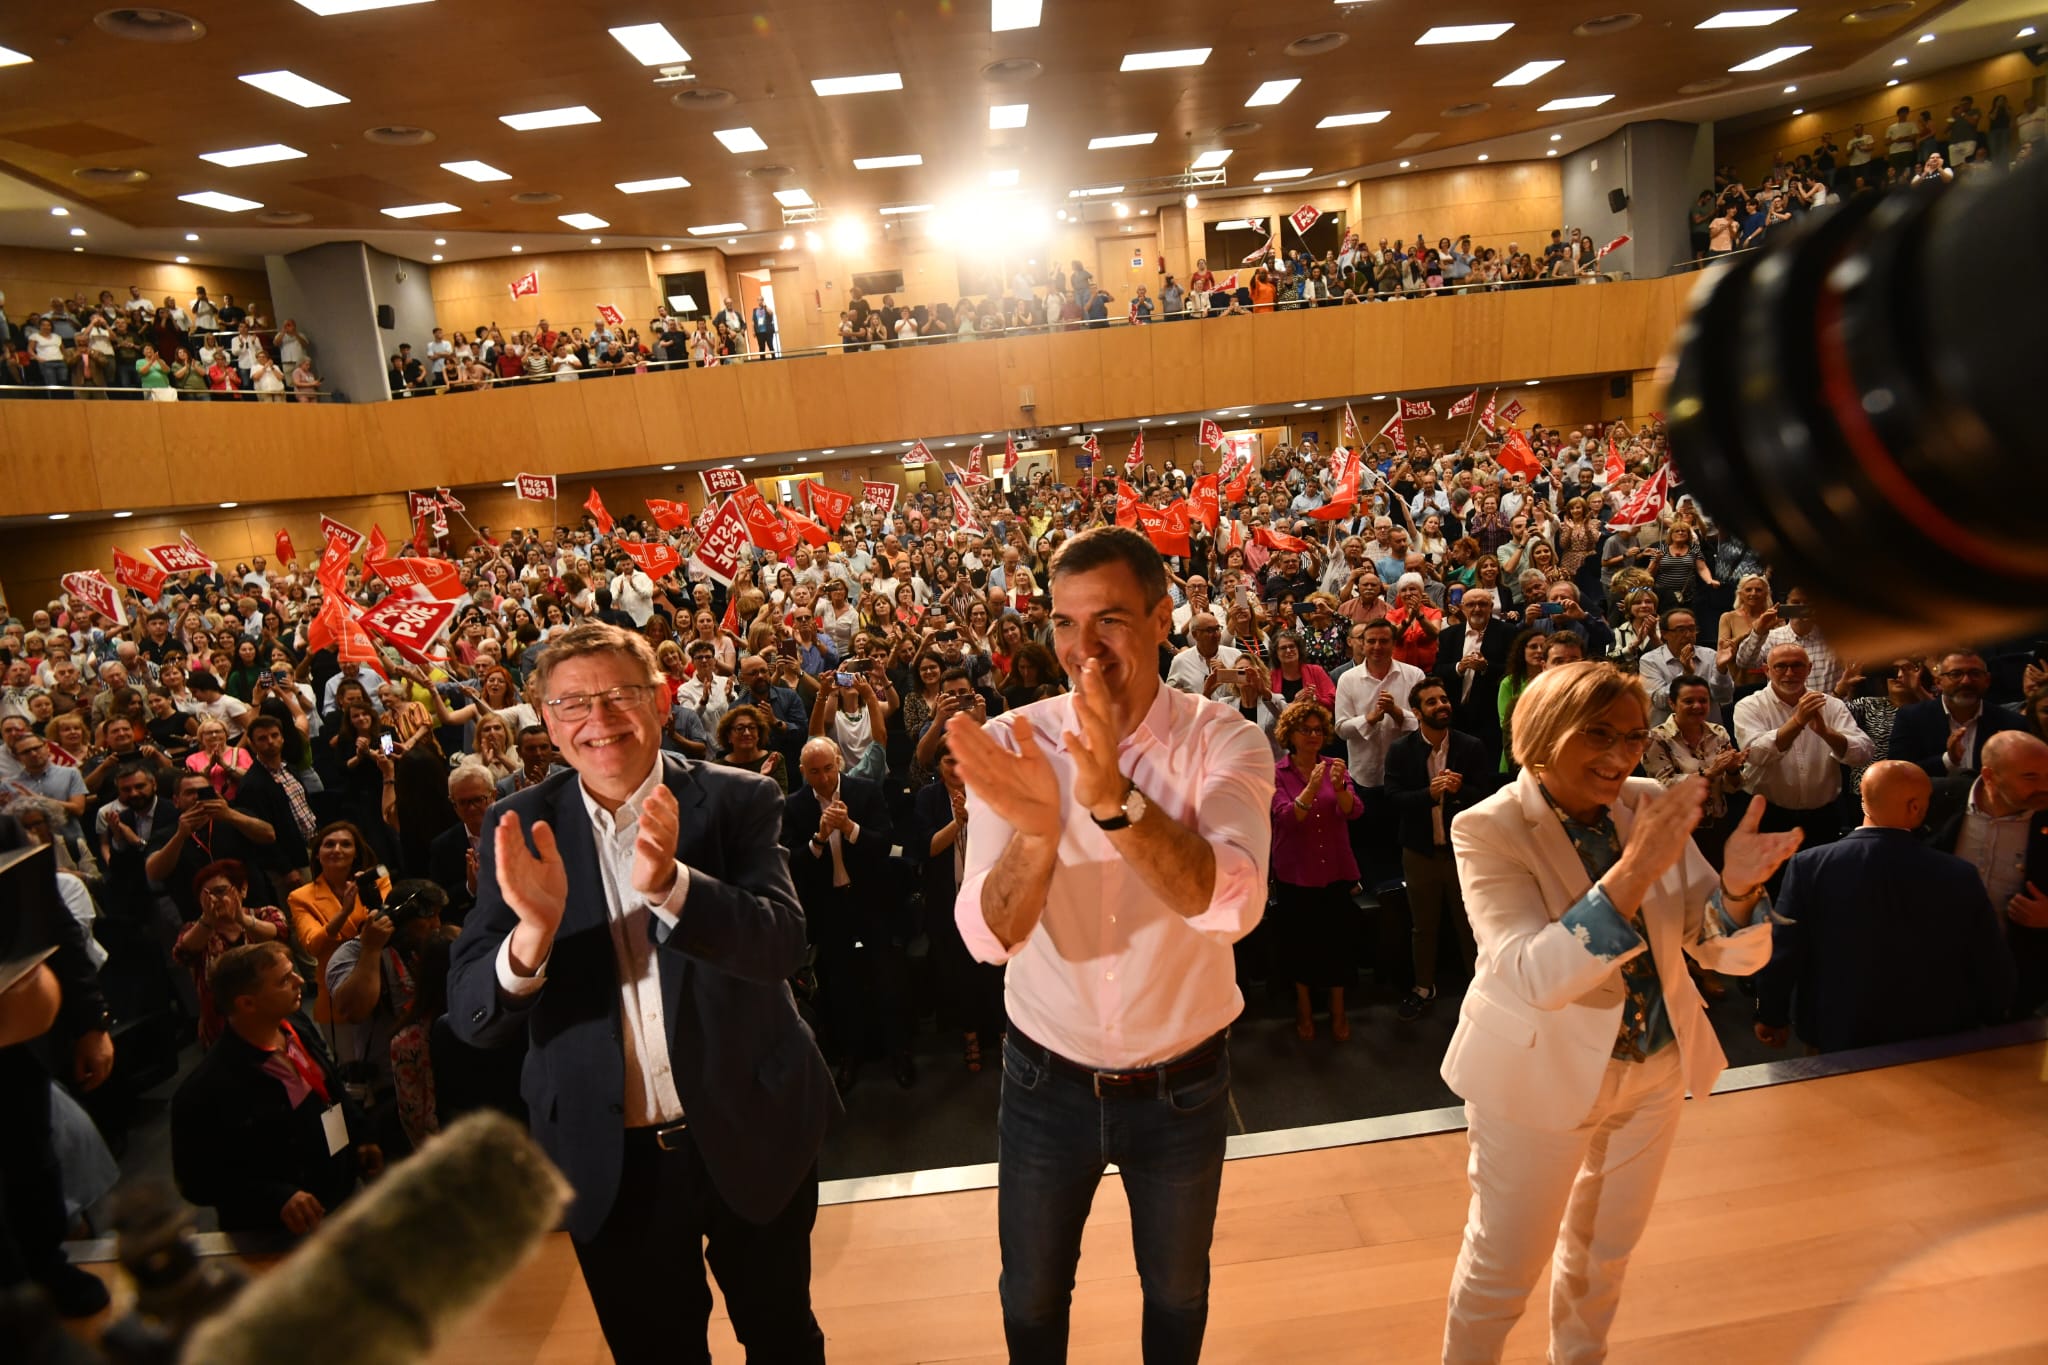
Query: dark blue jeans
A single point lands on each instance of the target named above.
(1056, 1136)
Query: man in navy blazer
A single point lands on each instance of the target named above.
(1946, 734)
(1881, 939)
(636, 921)
(1473, 675)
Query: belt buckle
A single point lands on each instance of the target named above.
(676, 1130)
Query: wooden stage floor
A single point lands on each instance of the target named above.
(1890, 1216)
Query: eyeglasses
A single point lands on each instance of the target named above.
(1958, 674)
(218, 893)
(1604, 737)
(578, 705)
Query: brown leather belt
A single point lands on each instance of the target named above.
(1204, 1056)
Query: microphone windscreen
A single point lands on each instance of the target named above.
(404, 1260)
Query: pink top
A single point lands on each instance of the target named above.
(1315, 685)
(1315, 851)
(1112, 977)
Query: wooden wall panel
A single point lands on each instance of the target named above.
(972, 380)
(1475, 347)
(1229, 352)
(1574, 330)
(560, 432)
(615, 429)
(769, 406)
(127, 445)
(1327, 349)
(924, 399)
(721, 420)
(1276, 362)
(1022, 363)
(1177, 371)
(668, 424)
(1425, 340)
(1375, 346)
(1126, 366)
(1076, 379)
(874, 411)
(818, 393)
(48, 440)
(1525, 330)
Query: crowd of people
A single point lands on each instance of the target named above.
(202, 350)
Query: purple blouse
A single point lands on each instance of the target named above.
(1315, 851)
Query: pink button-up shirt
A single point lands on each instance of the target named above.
(1112, 977)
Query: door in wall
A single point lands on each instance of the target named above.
(1124, 262)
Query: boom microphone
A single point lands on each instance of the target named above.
(400, 1263)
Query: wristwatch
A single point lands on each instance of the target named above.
(1130, 813)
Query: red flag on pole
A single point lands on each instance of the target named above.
(1616, 244)
(1167, 529)
(595, 506)
(1487, 421)
(724, 479)
(974, 465)
(180, 558)
(658, 561)
(918, 456)
(1517, 456)
(1415, 409)
(764, 528)
(1616, 466)
(1398, 431)
(1279, 540)
(1207, 500)
(1212, 434)
(1304, 218)
(730, 622)
(1512, 411)
(669, 515)
(285, 553)
(411, 626)
(1350, 434)
(1009, 453)
(529, 283)
(379, 546)
(332, 573)
(1127, 501)
(1463, 407)
(828, 505)
(146, 579)
(90, 588)
(1345, 499)
(722, 543)
(880, 496)
(330, 529)
(808, 530)
(1240, 485)
(963, 510)
(431, 580)
(1644, 505)
(1136, 459)
(535, 487)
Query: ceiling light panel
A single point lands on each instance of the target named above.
(794, 199)
(1005, 16)
(738, 140)
(549, 118)
(1008, 115)
(883, 163)
(478, 171)
(1746, 18)
(253, 156)
(858, 85)
(1574, 102)
(582, 222)
(1096, 144)
(1272, 92)
(1462, 33)
(1772, 58)
(214, 199)
(9, 57)
(713, 229)
(420, 210)
(1527, 72)
(288, 85)
(327, 9)
(1354, 120)
(1161, 61)
(1297, 173)
(1209, 161)
(666, 182)
(650, 44)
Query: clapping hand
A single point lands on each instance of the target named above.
(654, 849)
(2029, 908)
(534, 884)
(1021, 788)
(1751, 858)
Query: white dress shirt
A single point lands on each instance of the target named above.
(1112, 977)
(651, 1097)
(1807, 775)
(1658, 669)
(1996, 845)
(1369, 737)
(1826, 670)
(1190, 670)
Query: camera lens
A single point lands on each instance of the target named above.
(1852, 400)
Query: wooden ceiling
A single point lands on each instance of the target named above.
(454, 66)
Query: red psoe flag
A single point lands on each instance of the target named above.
(1415, 409)
(410, 625)
(1644, 505)
(1128, 500)
(610, 315)
(526, 284)
(1616, 466)
(1350, 434)
(1240, 485)
(285, 553)
(146, 579)
(918, 456)
(90, 588)
(963, 510)
(1167, 529)
(595, 506)
(1512, 411)
(1463, 407)
(810, 531)
(1617, 244)
(723, 543)
(1517, 456)
(1488, 421)
(974, 465)
(332, 574)
(1207, 500)
(880, 496)
(725, 479)
(1279, 540)
(669, 515)
(1212, 434)
(764, 528)
(1304, 218)
(657, 561)
(1009, 453)
(828, 505)
(1136, 459)
(379, 546)
(424, 580)
(535, 487)
(330, 529)
(1397, 431)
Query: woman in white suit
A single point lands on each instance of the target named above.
(1582, 1029)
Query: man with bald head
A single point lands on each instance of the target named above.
(1879, 938)
(2002, 831)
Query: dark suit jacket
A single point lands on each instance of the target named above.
(1920, 734)
(1408, 784)
(448, 868)
(260, 795)
(752, 1082)
(1478, 714)
(2029, 946)
(874, 897)
(1881, 940)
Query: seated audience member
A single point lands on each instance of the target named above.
(227, 920)
(263, 1131)
(1879, 938)
(2002, 831)
(1947, 734)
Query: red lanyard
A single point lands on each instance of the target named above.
(302, 1062)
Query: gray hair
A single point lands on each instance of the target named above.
(1407, 581)
(1477, 594)
(470, 771)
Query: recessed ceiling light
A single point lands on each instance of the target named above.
(287, 85)
(1746, 18)
(78, 232)
(794, 199)
(895, 210)
(713, 229)
(1295, 173)
(1557, 137)
(1353, 120)
(60, 516)
(666, 182)
(741, 140)
(829, 450)
(1892, 82)
(1160, 61)
(9, 57)
(1898, 61)
(78, 248)
(583, 222)
(181, 260)
(667, 468)
(1267, 190)
(597, 241)
(1097, 144)
(327, 9)
(664, 246)
(1301, 405)
(1532, 383)
(253, 156)
(1791, 89)
(1527, 72)
(1772, 58)
(231, 504)
(440, 241)
(1482, 156)
(1192, 201)
(1005, 15)
(1797, 112)
(1209, 161)
(420, 210)
(1573, 102)
(2026, 32)
(1551, 152)
(858, 85)
(1405, 165)
(1008, 115)
(478, 171)
(122, 516)
(191, 236)
(1927, 37)
(1272, 92)
(214, 199)
(1462, 33)
(60, 212)
(747, 460)
(517, 248)
(1002, 179)
(1143, 420)
(650, 44)
(883, 163)
(565, 117)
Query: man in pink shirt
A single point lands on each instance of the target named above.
(1116, 847)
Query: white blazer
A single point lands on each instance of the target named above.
(1537, 1027)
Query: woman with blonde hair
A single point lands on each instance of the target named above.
(1582, 1032)
(1752, 604)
